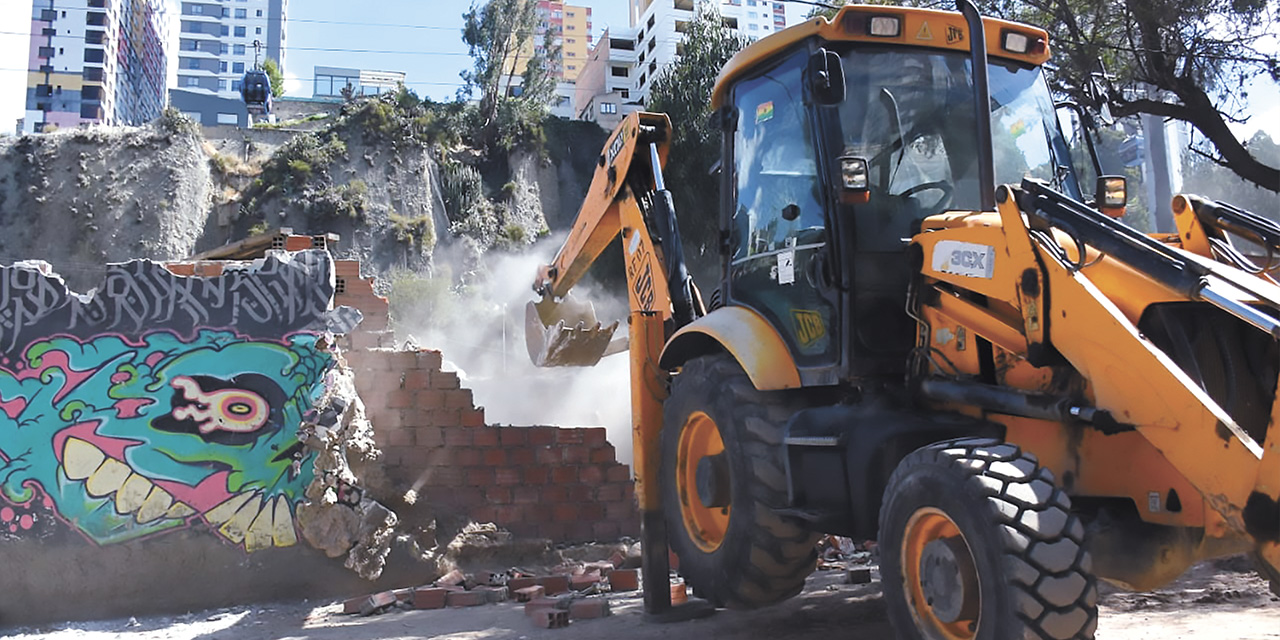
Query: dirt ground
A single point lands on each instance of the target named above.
(1222, 600)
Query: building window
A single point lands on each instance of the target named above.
(653, 43)
(571, 68)
(190, 45)
(608, 107)
(618, 72)
(224, 30)
(48, 15)
(259, 13)
(196, 9)
(93, 74)
(752, 27)
(226, 12)
(223, 48)
(626, 95)
(192, 63)
(237, 67)
(222, 67)
(45, 52)
(239, 49)
(651, 21)
(222, 84)
(91, 92)
(241, 14)
(191, 81)
(96, 19)
(235, 85)
(93, 55)
(257, 30)
(240, 32)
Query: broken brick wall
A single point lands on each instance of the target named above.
(559, 483)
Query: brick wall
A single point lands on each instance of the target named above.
(559, 483)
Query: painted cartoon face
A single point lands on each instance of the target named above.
(128, 439)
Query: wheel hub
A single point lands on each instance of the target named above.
(946, 573)
(713, 481)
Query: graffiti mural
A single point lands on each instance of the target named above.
(161, 401)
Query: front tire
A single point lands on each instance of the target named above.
(978, 543)
(722, 477)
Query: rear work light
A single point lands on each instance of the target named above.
(1021, 43)
(884, 26)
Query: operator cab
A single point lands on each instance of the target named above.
(255, 90)
(829, 271)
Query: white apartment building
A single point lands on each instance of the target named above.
(623, 65)
(216, 46)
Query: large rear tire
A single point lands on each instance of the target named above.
(978, 543)
(722, 477)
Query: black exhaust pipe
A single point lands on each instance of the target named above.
(982, 103)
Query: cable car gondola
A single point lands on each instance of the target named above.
(255, 90)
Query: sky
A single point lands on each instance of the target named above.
(419, 37)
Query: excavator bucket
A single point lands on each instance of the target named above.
(566, 334)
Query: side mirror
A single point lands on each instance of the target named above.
(825, 75)
(855, 182)
(1111, 195)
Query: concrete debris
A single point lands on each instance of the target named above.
(836, 553)
(338, 518)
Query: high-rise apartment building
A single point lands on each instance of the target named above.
(216, 46)
(96, 61)
(567, 27)
(659, 25)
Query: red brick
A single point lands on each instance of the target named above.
(428, 399)
(554, 584)
(624, 580)
(584, 581)
(466, 598)
(461, 457)
(391, 420)
(575, 454)
(522, 456)
(429, 359)
(604, 454)
(483, 513)
(577, 493)
(353, 605)
(535, 475)
(547, 455)
(498, 495)
(417, 380)
(595, 436)
(592, 475)
(429, 598)
(542, 436)
(473, 417)
(399, 399)
(565, 512)
(453, 578)
(590, 511)
(480, 476)
(609, 493)
(400, 437)
(506, 475)
(606, 531)
(554, 493)
(514, 436)
(465, 496)
(587, 608)
(415, 457)
(618, 473)
(564, 475)
(444, 380)
(549, 618)
(458, 399)
(526, 594)
(485, 437)
(377, 601)
(555, 531)
(457, 437)
(404, 595)
(570, 436)
(521, 582)
(428, 436)
(580, 530)
(495, 457)
(448, 418)
(446, 477)
(619, 511)
(524, 494)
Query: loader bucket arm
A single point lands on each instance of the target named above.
(626, 198)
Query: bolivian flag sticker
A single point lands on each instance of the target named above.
(764, 112)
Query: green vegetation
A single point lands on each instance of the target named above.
(417, 231)
(272, 69)
(174, 122)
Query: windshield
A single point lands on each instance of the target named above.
(910, 114)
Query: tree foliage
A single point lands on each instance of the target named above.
(499, 36)
(272, 69)
(683, 91)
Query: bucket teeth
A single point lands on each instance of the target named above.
(579, 341)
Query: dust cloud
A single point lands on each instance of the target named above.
(478, 326)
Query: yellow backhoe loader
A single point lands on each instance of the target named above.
(927, 333)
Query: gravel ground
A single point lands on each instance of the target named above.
(1219, 600)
